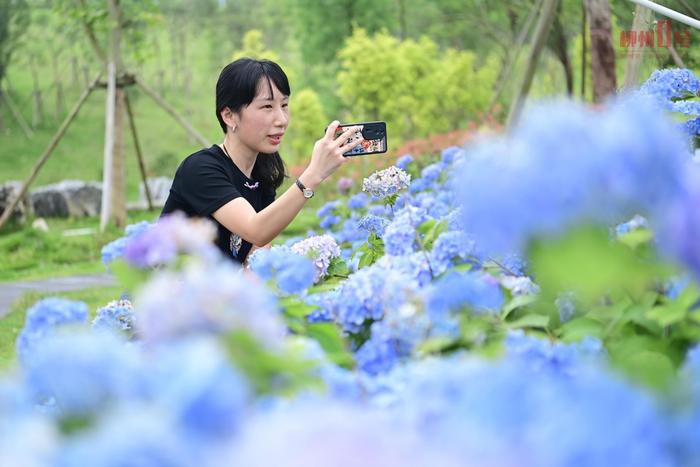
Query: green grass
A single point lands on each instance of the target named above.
(31, 254)
(13, 322)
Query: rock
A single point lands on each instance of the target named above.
(8, 192)
(159, 188)
(69, 198)
(40, 224)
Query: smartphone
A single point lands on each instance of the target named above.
(372, 136)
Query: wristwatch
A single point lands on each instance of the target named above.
(308, 192)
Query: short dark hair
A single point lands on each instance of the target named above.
(236, 88)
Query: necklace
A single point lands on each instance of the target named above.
(246, 184)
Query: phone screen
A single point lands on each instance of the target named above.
(372, 137)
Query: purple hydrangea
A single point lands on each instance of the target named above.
(386, 182)
(322, 249)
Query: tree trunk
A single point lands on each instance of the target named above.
(114, 179)
(58, 85)
(559, 45)
(602, 51)
(118, 200)
(38, 108)
(635, 54)
(584, 51)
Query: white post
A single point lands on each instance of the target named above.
(109, 145)
(669, 13)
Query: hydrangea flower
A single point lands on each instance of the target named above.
(44, 318)
(206, 299)
(432, 172)
(349, 434)
(117, 315)
(373, 224)
(115, 249)
(386, 182)
(451, 246)
(519, 285)
(329, 221)
(403, 161)
(448, 155)
(358, 201)
(79, 374)
(291, 271)
(172, 234)
(635, 223)
(671, 83)
(367, 293)
(327, 208)
(344, 184)
(480, 292)
(322, 249)
(566, 165)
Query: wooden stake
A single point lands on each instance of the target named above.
(642, 20)
(139, 155)
(549, 9)
(109, 146)
(173, 113)
(513, 58)
(47, 152)
(15, 113)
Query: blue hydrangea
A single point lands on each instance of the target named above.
(80, 374)
(329, 221)
(205, 299)
(358, 201)
(129, 436)
(692, 127)
(671, 83)
(432, 172)
(566, 165)
(367, 293)
(292, 271)
(403, 161)
(418, 185)
(373, 224)
(637, 222)
(448, 154)
(451, 247)
(350, 231)
(115, 249)
(115, 316)
(44, 318)
(327, 208)
(510, 413)
(194, 381)
(480, 292)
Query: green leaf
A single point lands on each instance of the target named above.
(529, 321)
(581, 327)
(338, 267)
(651, 368)
(519, 301)
(637, 237)
(435, 345)
(668, 314)
(329, 337)
(588, 263)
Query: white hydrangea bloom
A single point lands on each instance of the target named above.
(322, 249)
(386, 182)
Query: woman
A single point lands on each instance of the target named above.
(234, 183)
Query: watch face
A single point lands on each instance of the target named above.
(308, 193)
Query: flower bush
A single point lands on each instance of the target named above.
(528, 300)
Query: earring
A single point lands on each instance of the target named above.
(233, 129)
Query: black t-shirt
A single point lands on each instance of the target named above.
(207, 180)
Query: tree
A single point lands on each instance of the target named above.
(13, 21)
(602, 51)
(412, 85)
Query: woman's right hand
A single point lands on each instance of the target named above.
(327, 154)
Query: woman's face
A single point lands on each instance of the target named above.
(263, 122)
